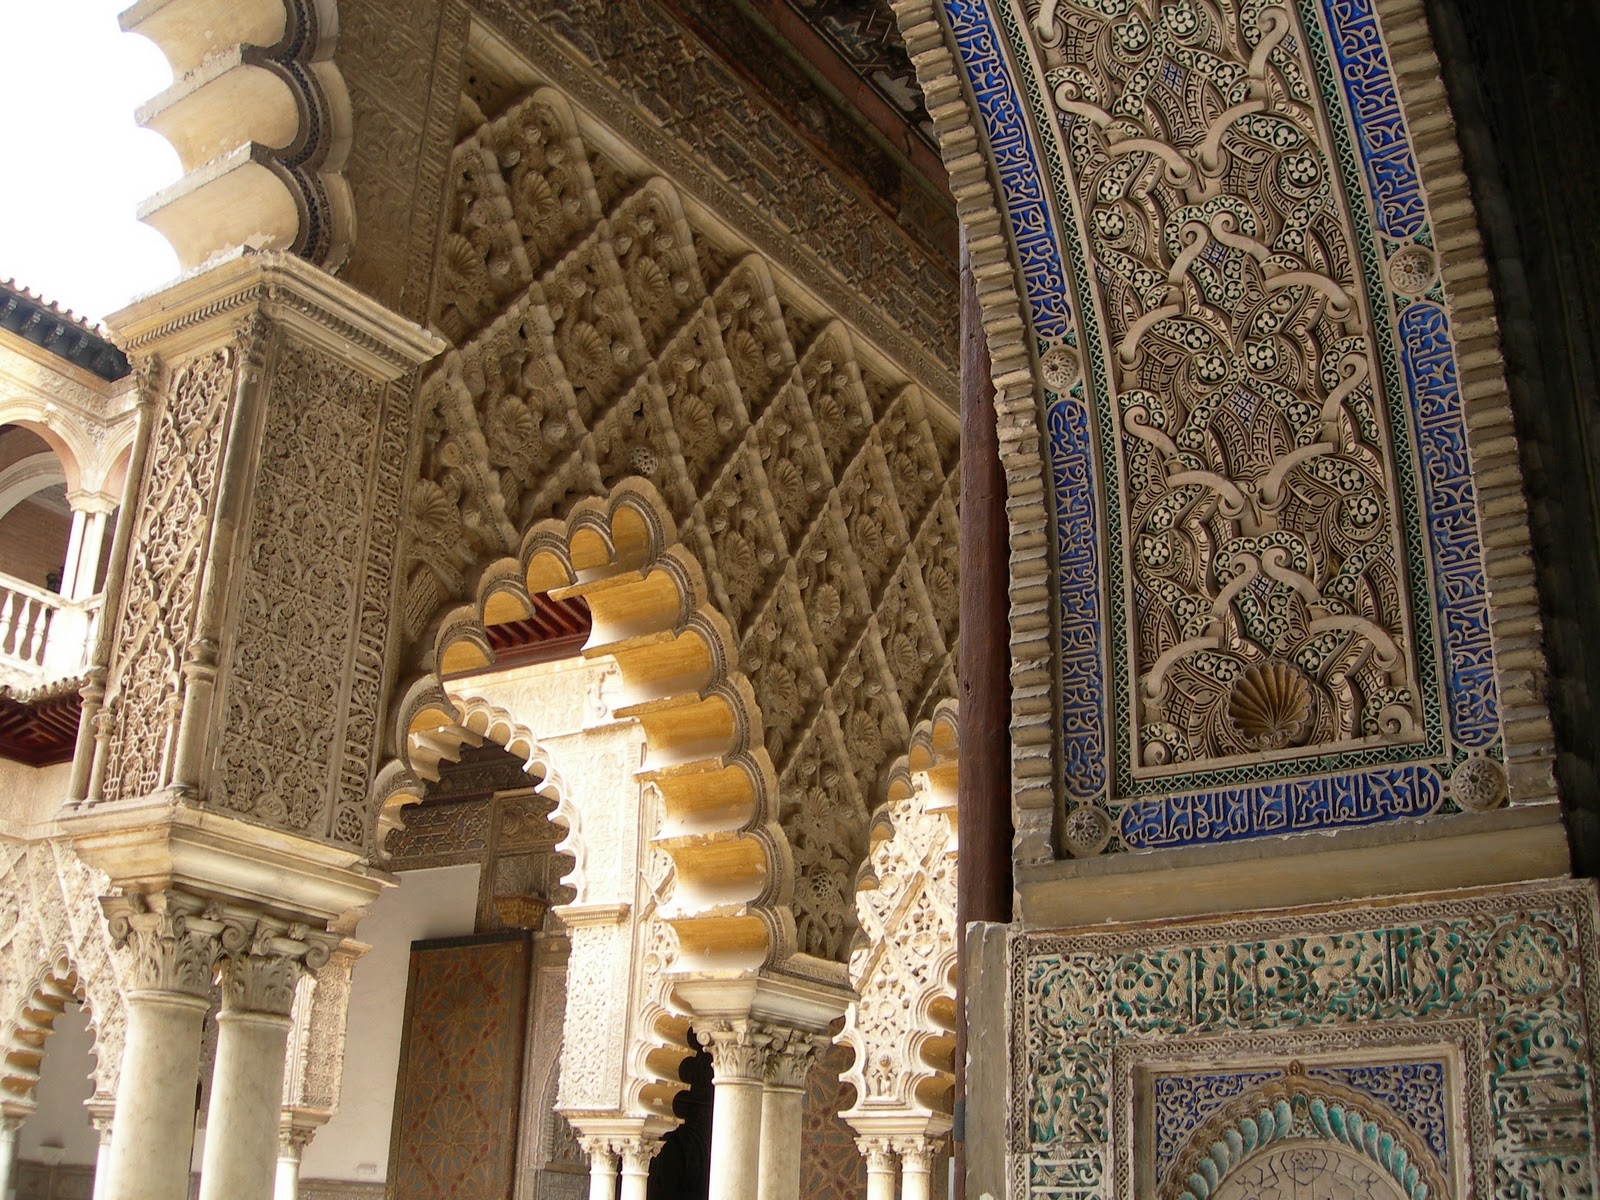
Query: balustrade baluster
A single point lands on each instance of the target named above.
(8, 621)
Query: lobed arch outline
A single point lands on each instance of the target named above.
(654, 1057)
(733, 874)
(27, 1029)
(1309, 1112)
(929, 769)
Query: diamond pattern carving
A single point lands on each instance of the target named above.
(604, 331)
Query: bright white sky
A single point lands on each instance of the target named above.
(73, 165)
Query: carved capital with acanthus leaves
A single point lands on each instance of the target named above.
(791, 1058)
(173, 940)
(263, 959)
(739, 1049)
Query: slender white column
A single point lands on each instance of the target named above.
(9, 1127)
(259, 975)
(636, 1156)
(102, 1158)
(291, 1146)
(880, 1167)
(916, 1168)
(69, 566)
(602, 1168)
(738, 1058)
(782, 1113)
(152, 1131)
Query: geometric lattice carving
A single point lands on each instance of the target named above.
(901, 1026)
(604, 331)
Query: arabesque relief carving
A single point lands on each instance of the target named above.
(605, 333)
(1267, 571)
(901, 1028)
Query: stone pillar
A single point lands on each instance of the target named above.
(916, 1168)
(260, 972)
(100, 1115)
(637, 1154)
(174, 947)
(738, 1058)
(10, 1125)
(602, 1167)
(783, 1098)
(880, 1167)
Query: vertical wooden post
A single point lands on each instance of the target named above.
(984, 660)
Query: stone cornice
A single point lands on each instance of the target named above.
(156, 844)
(208, 308)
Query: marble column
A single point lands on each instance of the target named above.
(880, 1167)
(916, 1168)
(10, 1126)
(260, 971)
(783, 1097)
(637, 1154)
(292, 1141)
(100, 1116)
(174, 948)
(738, 1058)
(602, 1167)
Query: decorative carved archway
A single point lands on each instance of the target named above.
(54, 951)
(901, 1026)
(648, 600)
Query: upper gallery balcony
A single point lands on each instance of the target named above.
(67, 420)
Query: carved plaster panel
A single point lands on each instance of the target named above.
(53, 937)
(606, 331)
(1257, 330)
(1456, 1026)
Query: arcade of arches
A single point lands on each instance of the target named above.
(481, 701)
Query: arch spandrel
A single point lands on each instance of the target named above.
(1136, 180)
(805, 482)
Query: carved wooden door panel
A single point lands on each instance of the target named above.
(460, 1083)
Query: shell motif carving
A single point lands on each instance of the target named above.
(1271, 707)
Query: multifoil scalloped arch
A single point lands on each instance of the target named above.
(733, 873)
(901, 1028)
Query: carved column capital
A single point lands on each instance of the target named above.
(637, 1152)
(173, 940)
(916, 1152)
(791, 1058)
(263, 959)
(878, 1152)
(739, 1049)
(601, 1151)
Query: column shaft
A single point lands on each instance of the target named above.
(880, 1169)
(286, 1185)
(153, 1130)
(241, 1154)
(916, 1174)
(735, 1138)
(782, 1115)
(9, 1128)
